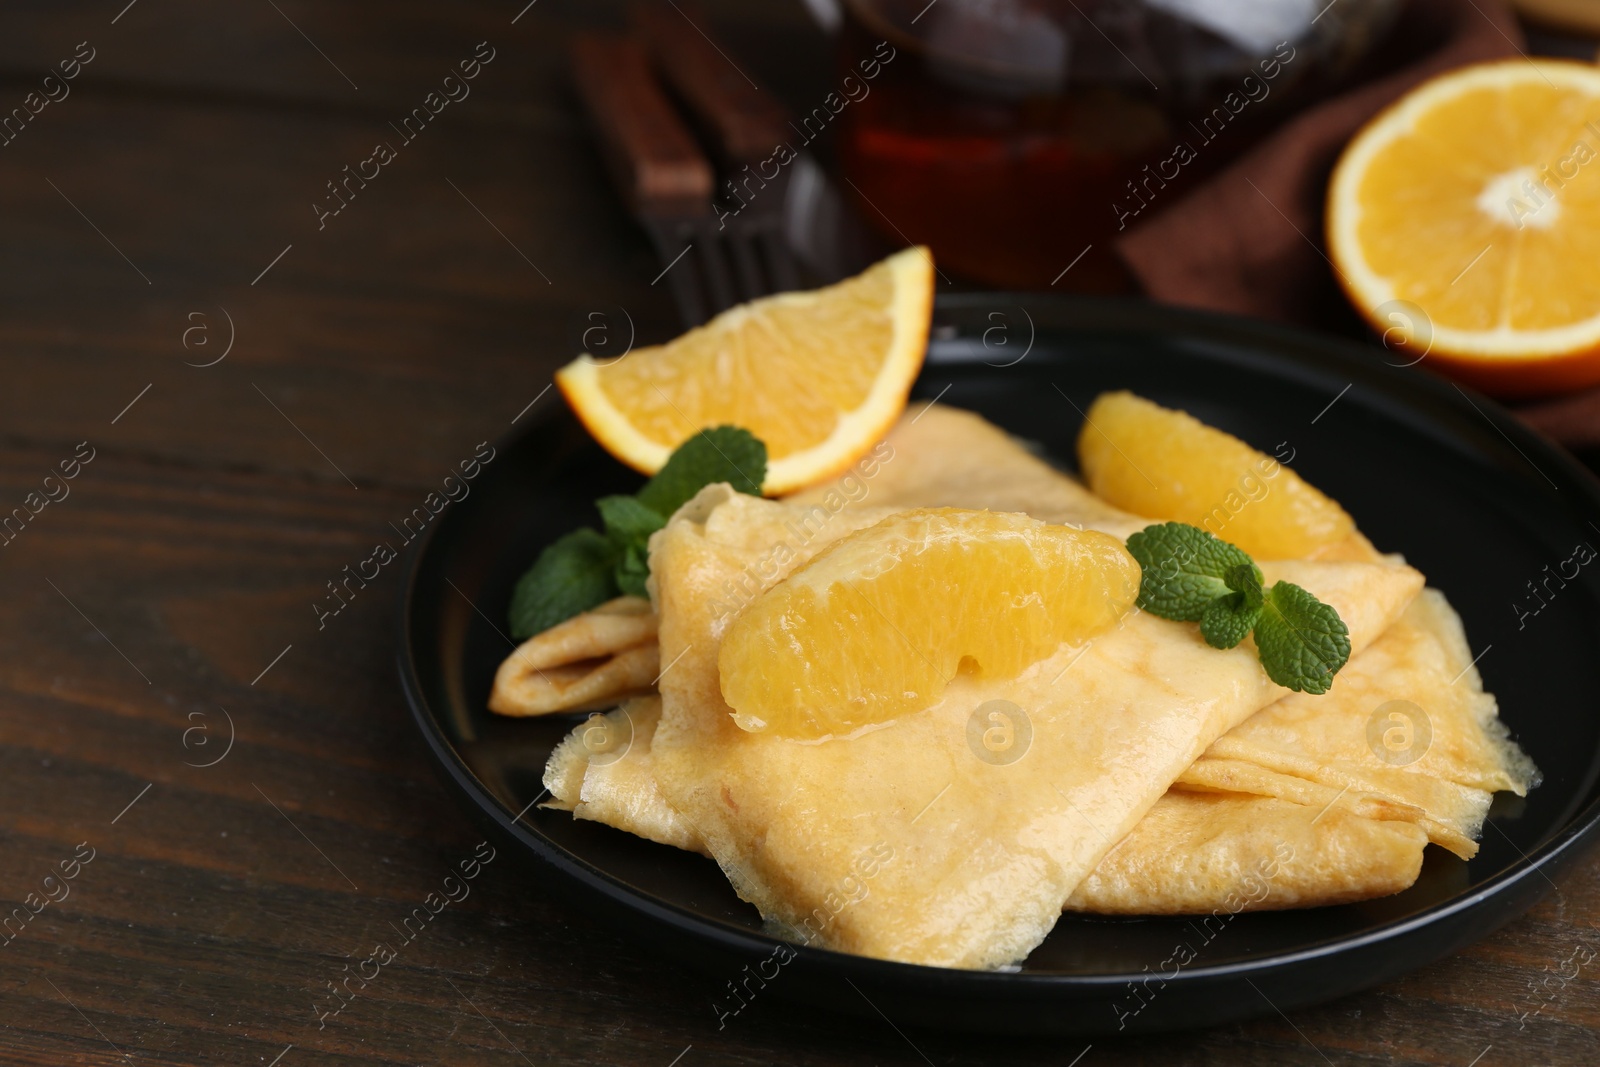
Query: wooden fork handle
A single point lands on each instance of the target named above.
(744, 123)
(652, 156)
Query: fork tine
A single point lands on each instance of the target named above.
(713, 258)
(672, 247)
(688, 293)
(781, 266)
(742, 243)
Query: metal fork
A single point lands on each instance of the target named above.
(711, 258)
(711, 266)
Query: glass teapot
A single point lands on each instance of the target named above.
(1017, 137)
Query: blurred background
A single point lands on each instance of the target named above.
(1079, 146)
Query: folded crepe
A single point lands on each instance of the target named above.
(1354, 812)
(619, 791)
(1224, 853)
(1256, 839)
(1410, 735)
(939, 456)
(590, 661)
(973, 860)
(943, 456)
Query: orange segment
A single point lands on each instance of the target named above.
(879, 623)
(1166, 464)
(818, 376)
(1476, 198)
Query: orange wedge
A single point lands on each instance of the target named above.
(1465, 225)
(1167, 464)
(880, 622)
(818, 376)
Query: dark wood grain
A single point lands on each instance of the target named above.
(146, 605)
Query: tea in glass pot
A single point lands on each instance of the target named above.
(1018, 137)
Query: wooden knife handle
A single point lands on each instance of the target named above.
(743, 122)
(653, 157)
(1579, 15)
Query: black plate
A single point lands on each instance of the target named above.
(1475, 500)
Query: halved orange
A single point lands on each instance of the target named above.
(879, 623)
(1167, 464)
(1465, 223)
(819, 376)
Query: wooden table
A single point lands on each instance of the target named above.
(261, 395)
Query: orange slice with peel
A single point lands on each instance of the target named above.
(1465, 224)
(879, 623)
(818, 376)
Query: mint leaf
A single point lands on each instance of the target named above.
(1245, 579)
(1229, 618)
(1188, 575)
(627, 520)
(629, 525)
(632, 570)
(1184, 569)
(1302, 641)
(572, 575)
(721, 454)
(586, 567)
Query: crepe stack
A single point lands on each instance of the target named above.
(1163, 776)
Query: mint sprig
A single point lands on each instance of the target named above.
(585, 568)
(572, 575)
(1229, 618)
(721, 454)
(1189, 575)
(629, 525)
(1183, 573)
(1302, 641)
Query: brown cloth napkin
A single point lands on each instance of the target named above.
(1249, 241)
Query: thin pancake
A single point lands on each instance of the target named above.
(590, 661)
(1412, 729)
(1209, 853)
(939, 455)
(981, 856)
(604, 771)
(1347, 844)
